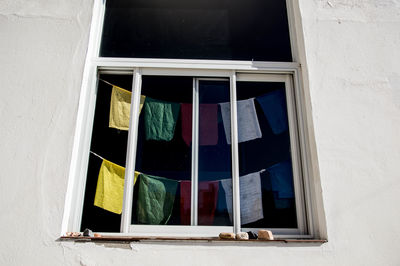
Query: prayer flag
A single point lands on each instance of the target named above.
(160, 119)
(120, 106)
(273, 105)
(282, 179)
(248, 126)
(251, 208)
(208, 120)
(156, 198)
(110, 187)
(207, 202)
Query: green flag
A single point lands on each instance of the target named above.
(156, 198)
(160, 119)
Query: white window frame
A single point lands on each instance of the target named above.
(288, 72)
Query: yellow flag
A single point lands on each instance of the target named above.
(110, 187)
(120, 107)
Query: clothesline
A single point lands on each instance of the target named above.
(109, 83)
(95, 154)
(159, 110)
(110, 190)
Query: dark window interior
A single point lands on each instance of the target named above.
(172, 159)
(215, 160)
(168, 159)
(265, 152)
(197, 29)
(109, 143)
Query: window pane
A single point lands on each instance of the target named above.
(197, 29)
(266, 178)
(104, 185)
(215, 172)
(163, 157)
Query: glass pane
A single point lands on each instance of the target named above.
(266, 178)
(104, 186)
(161, 195)
(215, 172)
(197, 29)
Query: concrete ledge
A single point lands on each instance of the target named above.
(199, 239)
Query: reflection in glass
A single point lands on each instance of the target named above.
(214, 199)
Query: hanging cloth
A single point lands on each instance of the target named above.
(251, 208)
(208, 120)
(208, 196)
(160, 119)
(120, 107)
(207, 202)
(282, 179)
(156, 198)
(248, 126)
(280, 203)
(273, 105)
(110, 187)
(186, 192)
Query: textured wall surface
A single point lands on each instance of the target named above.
(352, 57)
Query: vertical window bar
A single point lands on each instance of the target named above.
(131, 151)
(82, 165)
(235, 156)
(292, 29)
(296, 162)
(195, 153)
(304, 147)
(99, 26)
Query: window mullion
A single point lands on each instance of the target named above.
(195, 153)
(235, 155)
(131, 151)
(296, 162)
(98, 26)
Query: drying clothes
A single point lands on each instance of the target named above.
(186, 192)
(208, 196)
(273, 105)
(208, 131)
(110, 187)
(248, 126)
(207, 202)
(282, 203)
(120, 108)
(251, 208)
(160, 119)
(282, 179)
(156, 198)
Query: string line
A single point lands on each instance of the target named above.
(109, 83)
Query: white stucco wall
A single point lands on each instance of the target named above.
(352, 50)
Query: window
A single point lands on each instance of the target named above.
(197, 29)
(213, 139)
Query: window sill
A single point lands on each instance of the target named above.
(196, 239)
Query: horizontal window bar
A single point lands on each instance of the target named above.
(195, 64)
(168, 230)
